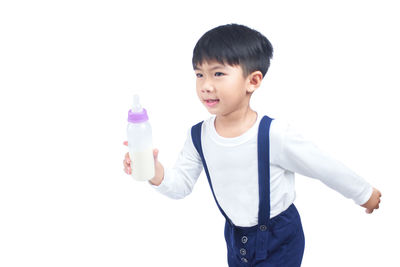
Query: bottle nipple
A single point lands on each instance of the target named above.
(136, 108)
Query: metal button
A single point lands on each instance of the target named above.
(244, 239)
(263, 228)
(244, 260)
(243, 251)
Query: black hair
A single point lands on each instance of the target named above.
(234, 44)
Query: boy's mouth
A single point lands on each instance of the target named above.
(211, 102)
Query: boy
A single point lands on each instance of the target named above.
(249, 159)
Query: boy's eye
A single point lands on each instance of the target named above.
(199, 75)
(219, 74)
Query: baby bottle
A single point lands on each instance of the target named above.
(140, 142)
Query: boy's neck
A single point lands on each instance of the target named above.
(235, 123)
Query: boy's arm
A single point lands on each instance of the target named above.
(302, 156)
(179, 181)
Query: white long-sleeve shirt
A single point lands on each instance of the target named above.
(232, 164)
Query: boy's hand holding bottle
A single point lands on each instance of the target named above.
(158, 167)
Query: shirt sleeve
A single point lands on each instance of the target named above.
(179, 181)
(302, 156)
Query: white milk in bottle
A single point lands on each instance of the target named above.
(140, 142)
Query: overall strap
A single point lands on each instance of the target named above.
(196, 138)
(264, 188)
(263, 171)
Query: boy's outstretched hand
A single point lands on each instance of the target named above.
(373, 202)
(158, 172)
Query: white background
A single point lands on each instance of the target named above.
(69, 69)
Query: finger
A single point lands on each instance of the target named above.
(155, 153)
(127, 158)
(127, 161)
(127, 170)
(127, 165)
(377, 192)
(369, 211)
(125, 143)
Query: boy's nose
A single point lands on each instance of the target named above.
(207, 87)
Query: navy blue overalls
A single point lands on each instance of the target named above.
(276, 242)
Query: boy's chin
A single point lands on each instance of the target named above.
(212, 111)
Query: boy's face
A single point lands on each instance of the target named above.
(222, 88)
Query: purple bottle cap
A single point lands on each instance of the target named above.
(136, 117)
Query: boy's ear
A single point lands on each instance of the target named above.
(254, 81)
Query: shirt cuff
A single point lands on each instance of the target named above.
(364, 196)
(163, 187)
